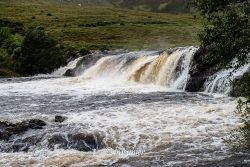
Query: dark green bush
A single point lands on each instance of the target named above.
(85, 51)
(5, 33)
(241, 86)
(39, 53)
(122, 24)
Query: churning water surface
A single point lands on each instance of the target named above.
(115, 121)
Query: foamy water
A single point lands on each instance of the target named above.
(129, 116)
(129, 111)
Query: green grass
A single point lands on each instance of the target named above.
(126, 29)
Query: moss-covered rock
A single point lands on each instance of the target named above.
(241, 86)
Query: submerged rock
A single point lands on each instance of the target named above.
(78, 141)
(69, 73)
(59, 118)
(8, 129)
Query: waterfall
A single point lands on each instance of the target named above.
(221, 81)
(169, 69)
(70, 65)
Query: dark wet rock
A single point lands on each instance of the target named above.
(201, 69)
(36, 124)
(24, 144)
(59, 118)
(69, 73)
(8, 129)
(78, 141)
(4, 135)
(57, 140)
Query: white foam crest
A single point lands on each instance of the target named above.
(183, 74)
(221, 81)
(72, 64)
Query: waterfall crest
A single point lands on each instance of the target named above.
(168, 69)
(164, 69)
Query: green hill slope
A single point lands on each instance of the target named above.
(164, 6)
(75, 26)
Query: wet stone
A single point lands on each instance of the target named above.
(59, 118)
(79, 141)
(8, 129)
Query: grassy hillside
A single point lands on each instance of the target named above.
(164, 6)
(167, 6)
(92, 28)
(76, 27)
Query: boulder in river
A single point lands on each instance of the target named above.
(8, 129)
(59, 118)
(77, 141)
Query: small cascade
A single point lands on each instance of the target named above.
(221, 81)
(72, 64)
(168, 69)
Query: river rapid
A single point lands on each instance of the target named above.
(120, 112)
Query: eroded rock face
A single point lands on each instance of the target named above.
(8, 129)
(201, 69)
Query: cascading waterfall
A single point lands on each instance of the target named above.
(164, 69)
(169, 69)
(221, 81)
(71, 65)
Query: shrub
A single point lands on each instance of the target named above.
(4, 34)
(122, 24)
(38, 54)
(49, 14)
(85, 51)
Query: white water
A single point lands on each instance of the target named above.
(70, 65)
(221, 81)
(133, 103)
(168, 70)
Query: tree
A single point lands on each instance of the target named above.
(227, 28)
(38, 54)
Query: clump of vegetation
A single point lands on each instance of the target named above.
(241, 86)
(241, 137)
(38, 53)
(28, 54)
(85, 51)
(9, 44)
(227, 29)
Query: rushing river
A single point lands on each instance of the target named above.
(137, 116)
